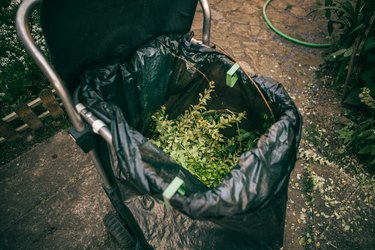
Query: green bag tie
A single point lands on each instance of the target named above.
(232, 76)
(175, 186)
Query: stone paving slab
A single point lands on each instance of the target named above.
(51, 197)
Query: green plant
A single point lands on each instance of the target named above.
(366, 74)
(352, 58)
(352, 55)
(195, 139)
(361, 136)
(345, 20)
(20, 80)
(348, 16)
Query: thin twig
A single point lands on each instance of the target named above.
(252, 81)
(183, 59)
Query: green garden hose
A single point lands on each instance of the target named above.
(313, 45)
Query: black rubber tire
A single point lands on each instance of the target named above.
(118, 231)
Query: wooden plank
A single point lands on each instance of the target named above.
(34, 103)
(25, 126)
(10, 117)
(13, 115)
(50, 103)
(28, 116)
(8, 132)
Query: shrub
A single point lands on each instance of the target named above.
(20, 80)
(360, 137)
(356, 34)
(353, 57)
(195, 139)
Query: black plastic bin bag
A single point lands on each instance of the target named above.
(247, 211)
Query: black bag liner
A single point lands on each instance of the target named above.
(247, 211)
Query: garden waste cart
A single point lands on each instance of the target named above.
(113, 63)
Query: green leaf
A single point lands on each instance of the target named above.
(348, 7)
(369, 44)
(330, 26)
(346, 134)
(371, 86)
(370, 59)
(353, 97)
(348, 52)
(358, 7)
(371, 137)
(365, 133)
(328, 2)
(341, 70)
(302, 241)
(338, 52)
(367, 75)
(367, 150)
(353, 33)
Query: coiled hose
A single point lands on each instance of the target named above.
(294, 40)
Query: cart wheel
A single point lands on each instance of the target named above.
(118, 230)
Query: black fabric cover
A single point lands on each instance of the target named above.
(80, 32)
(247, 211)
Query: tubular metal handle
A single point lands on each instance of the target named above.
(206, 22)
(23, 31)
